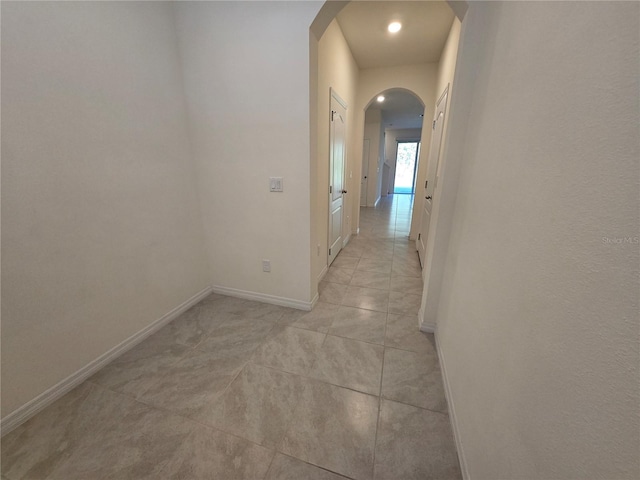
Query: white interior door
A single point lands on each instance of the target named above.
(365, 173)
(337, 149)
(432, 175)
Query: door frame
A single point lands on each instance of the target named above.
(333, 95)
(365, 166)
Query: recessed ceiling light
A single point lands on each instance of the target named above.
(394, 27)
(380, 98)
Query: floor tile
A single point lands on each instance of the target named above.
(343, 260)
(349, 363)
(237, 336)
(334, 428)
(404, 303)
(367, 298)
(411, 285)
(38, 446)
(381, 250)
(291, 350)
(366, 279)
(257, 406)
(339, 275)
(132, 372)
(191, 327)
(406, 268)
(414, 444)
(403, 332)
(374, 265)
(359, 324)
(354, 248)
(319, 319)
(194, 382)
(289, 468)
(210, 454)
(331, 292)
(137, 445)
(413, 378)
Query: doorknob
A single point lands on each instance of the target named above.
(344, 191)
(428, 198)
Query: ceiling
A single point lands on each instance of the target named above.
(400, 109)
(425, 27)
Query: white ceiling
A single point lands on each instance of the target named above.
(425, 27)
(400, 109)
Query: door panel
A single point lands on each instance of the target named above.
(337, 150)
(433, 167)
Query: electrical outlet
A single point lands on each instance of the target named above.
(276, 184)
(266, 266)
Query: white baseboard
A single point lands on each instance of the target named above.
(315, 300)
(263, 297)
(46, 398)
(346, 240)
(424, 327)
(452, 412)
(323, 273)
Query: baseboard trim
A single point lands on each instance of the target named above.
(424, 327)
(346, 240)
(263, 297)
(452, 411)
(46, 398)
(315, 300)
(324, 271)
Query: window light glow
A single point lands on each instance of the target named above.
(394, 27)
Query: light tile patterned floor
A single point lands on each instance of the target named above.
(235, 389)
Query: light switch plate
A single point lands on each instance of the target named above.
(275, 184)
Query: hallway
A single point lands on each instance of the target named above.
(235, 389)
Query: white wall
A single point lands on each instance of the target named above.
(246, 69)
(338, 70)
(538, 318)
(438, 237)
(420, 80)
(101, 231)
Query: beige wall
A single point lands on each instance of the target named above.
(421, 81)
(336, 70)
(538, 317)
(101, 231)
(246, 70)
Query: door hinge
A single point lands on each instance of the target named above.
(425, 184)
(333, 112)
(329, 252)
(330, 189)
(434, 124)
(419, 236)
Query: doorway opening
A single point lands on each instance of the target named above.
(407, 153)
